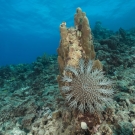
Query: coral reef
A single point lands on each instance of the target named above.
(100, 32)
(31, 104)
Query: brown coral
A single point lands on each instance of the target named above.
(76, 43)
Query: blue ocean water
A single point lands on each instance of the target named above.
(30, 28)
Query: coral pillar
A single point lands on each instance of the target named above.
(76, 43)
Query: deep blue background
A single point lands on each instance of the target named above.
(30, 28)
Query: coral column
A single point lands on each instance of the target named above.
(76, 43)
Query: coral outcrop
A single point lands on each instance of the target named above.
(81, 79)
(76, 43)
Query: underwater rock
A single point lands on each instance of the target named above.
(104, 129)
(56, 114)
(15, 131)
(133, 123)
(100, 32)
(125, 128)
(122, 33)
(28, 120)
